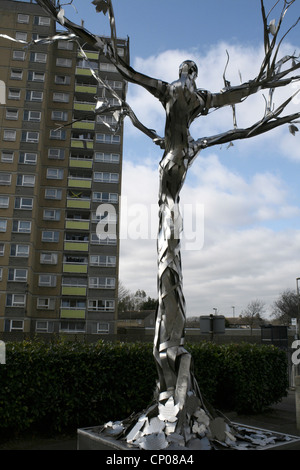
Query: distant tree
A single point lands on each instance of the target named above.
(254, 313)
(125, 301)
(286, 306)
(128, 300)
(149, 304)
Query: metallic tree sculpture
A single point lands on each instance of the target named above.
(178, 409)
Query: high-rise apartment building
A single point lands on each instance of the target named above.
(56, 275)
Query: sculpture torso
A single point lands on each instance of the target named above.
(183, 103)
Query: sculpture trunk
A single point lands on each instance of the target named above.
(172, 360)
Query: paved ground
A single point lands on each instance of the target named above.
(280, 418)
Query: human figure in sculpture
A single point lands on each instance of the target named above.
(182, 102)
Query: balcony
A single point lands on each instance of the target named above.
(84, 106)
(78, 203)
(72, 312)
(82, 144)
(83, 71)
(81, 163)
(90, 55)
(73, 290)
(85, 89)
(76, 246)
(90, 125)
(77, 224)
(78, 268)
(79, 182)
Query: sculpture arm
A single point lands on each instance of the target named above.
(156, 87)
(233, 95)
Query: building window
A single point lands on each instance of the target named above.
(16, 74)
(45, 303)
(108, 138)
(58, 134)
(105, 197)
(42, 21)
(14, 325)
(2, 249)
(14, 94)
(107, 67)
(20, 251)
(9, 135)
(17, 274)
(33, 116)
(102, 282)
(12, 114)
(28, 158)
(7, 156)
(107, 157)
(4, 202)
(34, 96)
(56, 154)
(61, 97)
(30, 136)
(101, 305)
(51, 214)
(23, 18)
(62, 79)
(3, 225)
(63, 62)
(18, 55)
(38, 57)
(24, 203)
(72, 326)
(15, 300)
(36, 76)
(102, 328)
(55, 173)
(103, 260)
(95, 240)
(26, 180)
(103, 177)
(48, 258)
(21, 36)
(50, 236)
(21, 226)
(47, 280)
(65, 45)
(43, 326)
(53, 193)
(59, 115)
(5, 179)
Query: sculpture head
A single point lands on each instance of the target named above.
(188, 67)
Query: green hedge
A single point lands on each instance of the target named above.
(60, 387)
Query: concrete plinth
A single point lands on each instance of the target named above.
(92, 439)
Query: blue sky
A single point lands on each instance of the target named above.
(250, 192)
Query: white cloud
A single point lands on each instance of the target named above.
(247, 252)
(241, 258)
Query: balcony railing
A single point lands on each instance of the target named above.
(71, 312)
(81, 163)
(79, 268)
(75, 182)
(75, 245)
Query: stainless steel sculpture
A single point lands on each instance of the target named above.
(179, 417)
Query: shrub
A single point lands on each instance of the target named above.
(65, 385)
